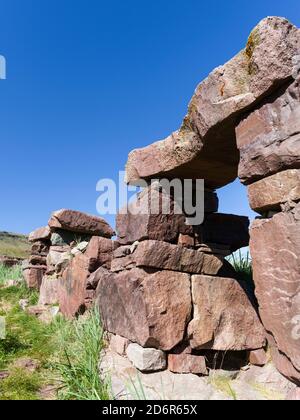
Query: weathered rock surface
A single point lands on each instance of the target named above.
(33, 275)
(224, 318)
(294, 395)
(41, 234)
(137, 222)
(187, 363)
(78, 222)
(48, 291)
(57, 255)
(152, 310)
(37, 260)
(275, 248)
(163, 385)
(269, 139)
(205, 146)
(164, 256)
(118, 344)
(40, 248)
(80, 248)
(96, 277)
(271, 192)
(100, 251)
(258, 357)
(146, 360)
(257, 383)
(282, 362)
(187, 241)
(261, 383)
(72, 287)
(254, 384)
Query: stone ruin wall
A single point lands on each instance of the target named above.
(166, 293)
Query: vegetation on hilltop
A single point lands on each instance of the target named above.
(13, 245)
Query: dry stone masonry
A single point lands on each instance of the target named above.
(167, 295)
(245, 119)
(63, 257)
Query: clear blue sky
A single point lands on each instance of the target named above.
(90, 80)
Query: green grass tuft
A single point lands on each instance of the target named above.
(242, 264)
(13, 273)
(68, 351)
(82, 343)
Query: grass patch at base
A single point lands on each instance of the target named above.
(79, 371)
(67, 351)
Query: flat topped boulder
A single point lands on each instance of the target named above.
(205, 145)
(41, 234)
(80, 223)
(163, 256)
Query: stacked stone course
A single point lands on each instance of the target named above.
(163, 278)
(64, 256)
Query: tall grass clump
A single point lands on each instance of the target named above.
(242, 263)
(68, 352)
(10, 273)
(82, 342)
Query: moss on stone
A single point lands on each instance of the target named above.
(253, 42)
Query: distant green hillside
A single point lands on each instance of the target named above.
(13, 245)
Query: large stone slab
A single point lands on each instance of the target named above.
(269, 139)
(164, 256)
(282, 362)
(72, 287)
(224, 318)
(48, 291)
(205, 145)
(143, 219)
(41, 234)
(78, 222)
(152, 310)
(100, 251)
(33, 275)
(271, 192)
(275, 249)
